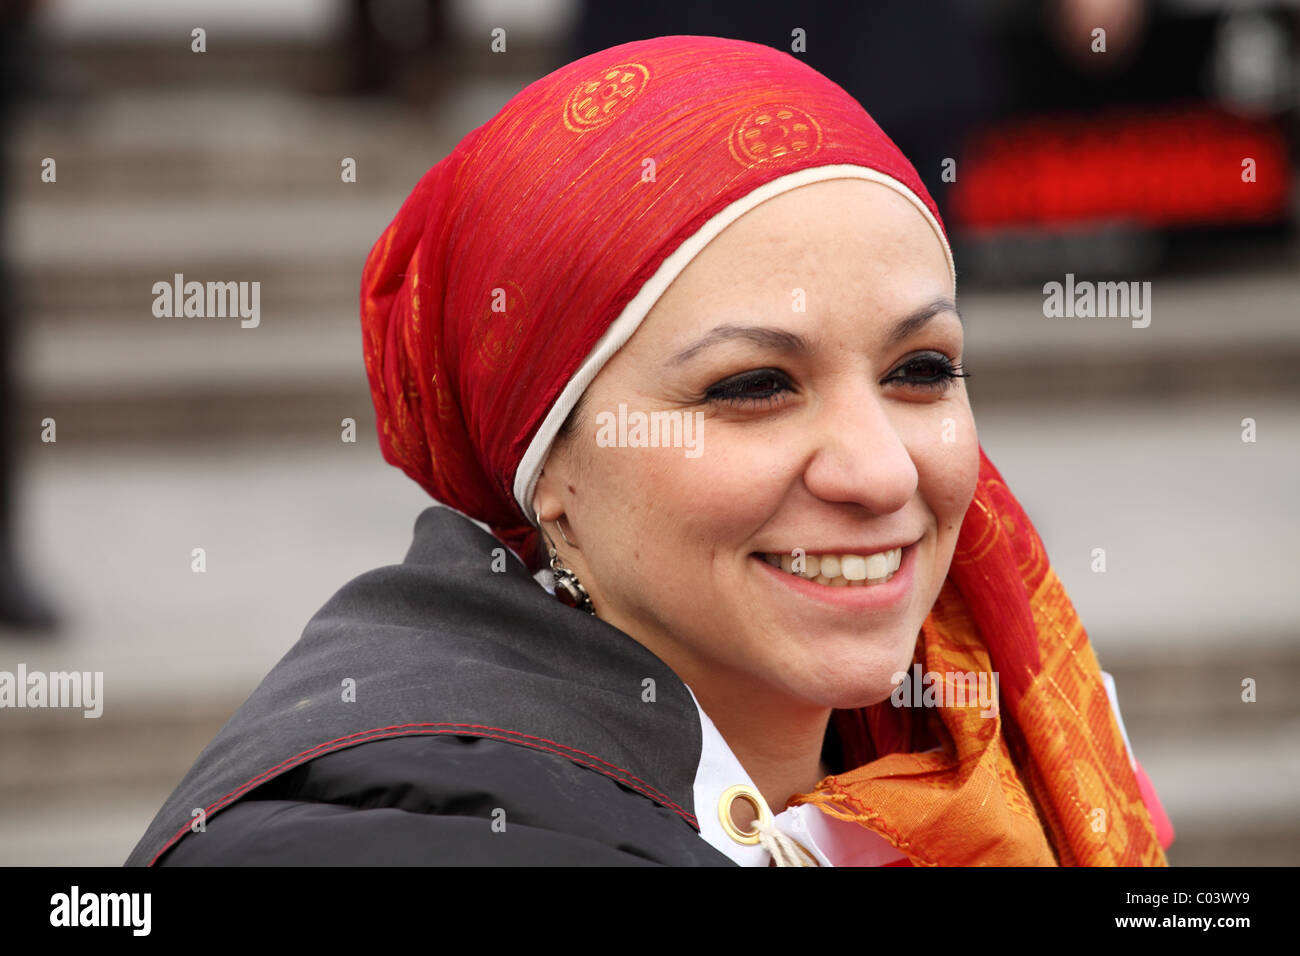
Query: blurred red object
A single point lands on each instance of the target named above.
(1158, 169)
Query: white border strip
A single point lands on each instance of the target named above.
(636, 310)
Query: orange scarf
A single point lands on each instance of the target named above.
(1045, 781)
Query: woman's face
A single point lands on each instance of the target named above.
(818, 430)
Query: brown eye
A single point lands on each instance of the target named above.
(930, 371)
(750, 389)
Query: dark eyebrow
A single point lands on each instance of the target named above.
(783, 341)
(917, 320)
(776, 339)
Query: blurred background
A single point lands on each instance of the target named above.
(1117, 164)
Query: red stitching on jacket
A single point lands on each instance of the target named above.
(341, 743)
(515, 734)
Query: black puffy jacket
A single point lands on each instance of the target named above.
(442, 712)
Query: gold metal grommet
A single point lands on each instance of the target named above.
(755, 799)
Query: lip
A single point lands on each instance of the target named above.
(852, 549)
(880, 597)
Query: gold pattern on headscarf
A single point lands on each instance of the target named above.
(498, 333)
(442, 394)
(415, 301)
(987, 531)
(600, 100)
(773, 131)
(379, 260)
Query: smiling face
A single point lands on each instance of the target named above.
(823, 432)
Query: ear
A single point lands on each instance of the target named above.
(548, 495)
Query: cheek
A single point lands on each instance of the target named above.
(948, 471)
(693, 505)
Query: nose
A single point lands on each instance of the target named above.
(859, 456)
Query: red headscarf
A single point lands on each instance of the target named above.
(524, 259)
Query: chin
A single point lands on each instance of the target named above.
(857, 697)
(845, 691)
(860, 680)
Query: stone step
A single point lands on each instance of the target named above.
(285, 351)
(197, 235)
(238, 62)
(1200, 687)
(68, 298)
(215, 145)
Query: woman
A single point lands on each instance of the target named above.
(673, 338)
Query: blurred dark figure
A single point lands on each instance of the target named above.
(1120, 136)
(394, 48)
(21, 606)
(919, 69)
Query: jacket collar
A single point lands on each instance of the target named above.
(458, 638)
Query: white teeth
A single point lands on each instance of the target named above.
(877, 566)
(842, 570)
(853, 567)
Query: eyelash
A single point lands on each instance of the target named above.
(731, 391)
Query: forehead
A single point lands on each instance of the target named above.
(840, 241)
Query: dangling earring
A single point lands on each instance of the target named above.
(568, 589)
